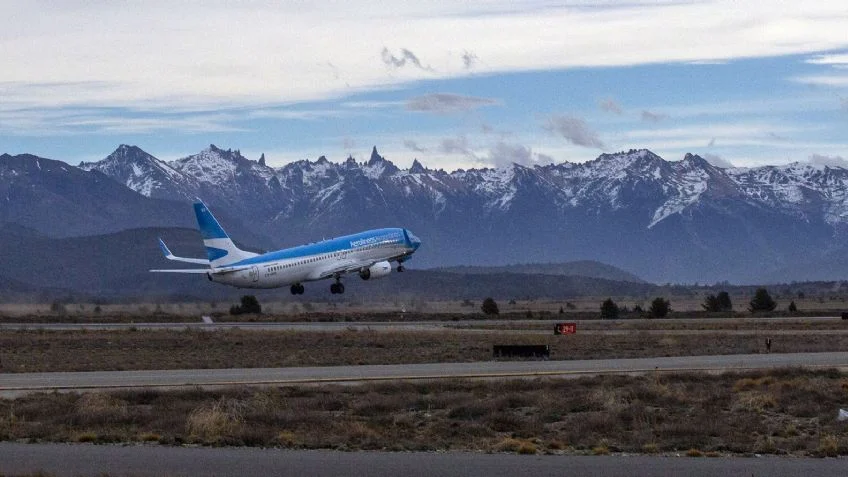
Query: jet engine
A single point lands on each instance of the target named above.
(378, 270)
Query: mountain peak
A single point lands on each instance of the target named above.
(262, 159)
(126, 152)
(417, 168)
(375, 157)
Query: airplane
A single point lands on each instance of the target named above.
(368, 254)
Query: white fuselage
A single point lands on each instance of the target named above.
(271, 272)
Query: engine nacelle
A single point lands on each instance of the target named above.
(378, 270)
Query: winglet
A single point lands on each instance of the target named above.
(164, 248)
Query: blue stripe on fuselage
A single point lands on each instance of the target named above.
(340, 244)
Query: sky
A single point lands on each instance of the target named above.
(452, 84)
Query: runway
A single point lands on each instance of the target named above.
(152, 460)
(13, 384)
(599, 327)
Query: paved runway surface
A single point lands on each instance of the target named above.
(76, 459)
(16, 383)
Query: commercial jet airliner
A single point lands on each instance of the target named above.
(368, 253)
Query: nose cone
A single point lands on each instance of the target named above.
(414, 241)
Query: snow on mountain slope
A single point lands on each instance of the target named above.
(143, 173)
(635, 179)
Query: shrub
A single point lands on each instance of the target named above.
(660, 307)
(828, 446)
(249, 304)
(601, 449)
(762, 301)
(716, 303)
(792, 307)
(527, 448)
(694, 453)
(490, 307)
(609, 310)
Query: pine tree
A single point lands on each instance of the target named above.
(490, 307)
(762, 301)
(660, 307)
(609, 310)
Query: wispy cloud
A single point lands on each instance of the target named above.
(652, 117)
(832, 161)
(611, 106)
(469, 59)
(413, 146)
(503, 154)
(835, 59)
(718, 161)
(574, 130)
(457, 145)
(63, 122)
(833, 80)
(406, 57)
(447, 103)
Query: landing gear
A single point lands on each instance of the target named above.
(337, 288)
(400, 267)
(297, 289)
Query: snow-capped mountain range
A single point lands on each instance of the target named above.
(681, 221)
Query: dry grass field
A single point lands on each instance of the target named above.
(32, 351)
(775, 412)
(828, 303)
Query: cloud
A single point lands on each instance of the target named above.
(718, 161)
(457, 145)
(574, 130)
(487, 128)
(832, 60)
(544, 158)
(653, 117)
(712, 142)
(611, 106)
(446, 103)
(406, 57)
(469, 59)
(839, 81)
(832, 161)
(348, 143)
(413, 146)
(503, 154)
(843, 103)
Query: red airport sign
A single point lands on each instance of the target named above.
(565, 328)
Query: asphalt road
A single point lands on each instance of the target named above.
(18, 383)
(76, 459)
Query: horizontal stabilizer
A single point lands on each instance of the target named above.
(184, 270)
(171, 256)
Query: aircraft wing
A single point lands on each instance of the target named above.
(226, 270)
(341, 268)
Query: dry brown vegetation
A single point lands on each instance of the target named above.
(37, 351)
(786, 411)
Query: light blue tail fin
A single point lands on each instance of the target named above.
(220, 249)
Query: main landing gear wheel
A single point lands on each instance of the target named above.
(297, 289)
(400, 267)
(337, 288)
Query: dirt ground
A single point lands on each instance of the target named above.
(775, 412)
(44, 351)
